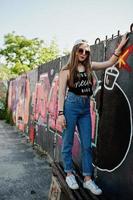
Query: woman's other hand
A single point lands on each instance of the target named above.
(62, 121)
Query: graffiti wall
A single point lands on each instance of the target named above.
(113, 101)
(33, 98)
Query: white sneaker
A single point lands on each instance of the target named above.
(71, 182)
(90, 185)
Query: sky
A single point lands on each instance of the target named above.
(65, 20)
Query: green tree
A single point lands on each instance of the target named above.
(6, 73)
(22, 54)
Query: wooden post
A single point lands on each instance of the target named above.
(55, 190)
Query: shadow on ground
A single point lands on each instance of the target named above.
(24, 174)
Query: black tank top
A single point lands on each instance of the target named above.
(81, 85)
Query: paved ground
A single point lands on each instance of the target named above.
(24, 174)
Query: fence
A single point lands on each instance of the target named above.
(32, 98)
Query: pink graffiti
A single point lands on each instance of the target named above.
(53, 105)
(93, 118)
(40, 98)
(22, 109)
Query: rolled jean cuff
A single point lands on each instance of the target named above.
(70, 171)
(87, 174)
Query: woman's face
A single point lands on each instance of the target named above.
(83, 52)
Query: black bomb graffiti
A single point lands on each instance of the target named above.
(113, 132)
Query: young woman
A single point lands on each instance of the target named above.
(74, 108)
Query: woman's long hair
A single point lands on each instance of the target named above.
(73, 63)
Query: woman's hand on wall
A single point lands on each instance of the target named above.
(123, 40)
(61, 121)
(114, 57)
(122, 44)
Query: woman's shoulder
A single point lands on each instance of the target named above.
(64, 71)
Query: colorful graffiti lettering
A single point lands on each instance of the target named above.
(40, 99)
(53, 105)
(18, 100)
(94, 121)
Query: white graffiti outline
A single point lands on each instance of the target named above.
(110, 72)
(131, 133)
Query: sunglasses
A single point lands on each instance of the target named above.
(81, 51)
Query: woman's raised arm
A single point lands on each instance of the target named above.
(114, 57)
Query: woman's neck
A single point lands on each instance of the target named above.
(80, 67)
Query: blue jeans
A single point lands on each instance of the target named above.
(77, 113)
